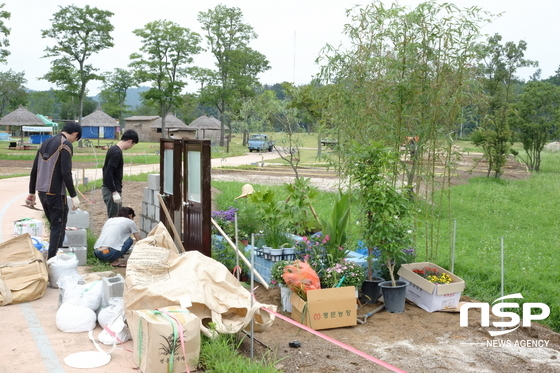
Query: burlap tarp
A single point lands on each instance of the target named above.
(23, 273)
(157, 276)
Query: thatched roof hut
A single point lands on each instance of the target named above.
(208, 127)
(171, 121)
(99, 125)
(21, 117)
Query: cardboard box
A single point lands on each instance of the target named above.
(152, 333)
(326, 308)
(32, 226)
(428, 295)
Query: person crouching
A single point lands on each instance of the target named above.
(115, 241)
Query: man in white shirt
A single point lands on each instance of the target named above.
(115, 241)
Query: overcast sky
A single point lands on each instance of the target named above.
(291, 33)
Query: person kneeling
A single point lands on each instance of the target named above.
(115, 241)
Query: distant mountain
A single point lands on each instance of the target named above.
(132, 96)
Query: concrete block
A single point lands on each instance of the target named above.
(156, 199)
(153, 181)
(79, 219)
(151, 211)
(148, 195)
(81, 253)
(76, 238)
(144, 209)
(112, 287)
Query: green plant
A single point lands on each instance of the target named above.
(316, 251)
(335, 226)
(220, 355)
(344, 273)
(277, 271)
(386, 210)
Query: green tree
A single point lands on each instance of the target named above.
(12, 91)
(237, 65)
(536, 120)
(43, 102)
(498, 68)
(5, 32)
(79, 33)
(167, 50)
(407, 72)
(113, 92)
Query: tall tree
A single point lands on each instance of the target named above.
(79, 33)
(12, 91)
(167, 50)
(498, 68)
(43, 102)
(4, 32)
(536, 120)
(113, 92)
(407, 73)
(237, 64)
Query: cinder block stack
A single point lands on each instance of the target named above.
(150, 205)
(76, 234)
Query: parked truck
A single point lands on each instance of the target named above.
(260, 143)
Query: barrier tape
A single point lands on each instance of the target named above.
(338, 343)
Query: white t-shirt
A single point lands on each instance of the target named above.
(115, 232)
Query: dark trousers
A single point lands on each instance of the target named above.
(112, 207)
(55, 207)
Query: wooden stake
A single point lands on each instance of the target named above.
(240, 254)
(175, 233)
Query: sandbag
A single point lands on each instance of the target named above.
(106, 314)
(157, 276)
(23, 274)
(74, 318)
(115, 331)
(60, 264)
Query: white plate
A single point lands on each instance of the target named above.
(87, 359)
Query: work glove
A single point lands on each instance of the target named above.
(30, 201)
(117, 198)
(75, 203)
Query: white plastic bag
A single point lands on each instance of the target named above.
(112, 320)
(115, 307)
(74, 318)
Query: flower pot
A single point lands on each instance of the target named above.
(266, 252)
(276, 254)
(394, 296)
(285, 294)
(371, 290)
(289, 253)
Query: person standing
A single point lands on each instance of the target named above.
(114, 240)
(51, 177)
(111, 189)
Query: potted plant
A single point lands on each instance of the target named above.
(344, 273)
(276, 279)
(386, 214)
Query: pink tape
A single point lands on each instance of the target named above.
(338, 343)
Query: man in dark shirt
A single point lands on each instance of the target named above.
(51, 176)
(113, 172)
